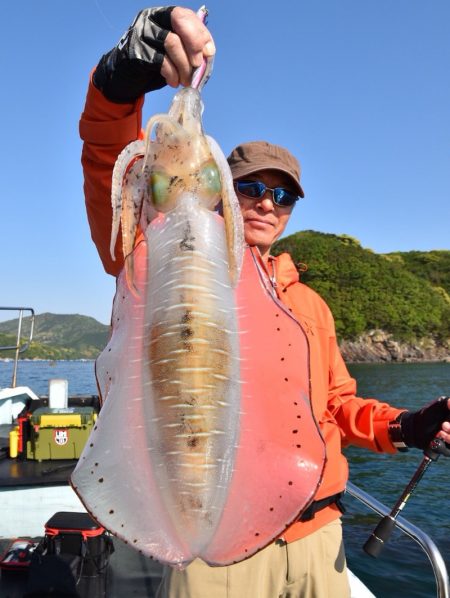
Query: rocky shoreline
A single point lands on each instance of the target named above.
(378, 346)
(375, 346)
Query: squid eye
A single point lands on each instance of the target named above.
(159, 185)
(210, 178)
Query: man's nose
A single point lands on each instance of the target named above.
(266, 202)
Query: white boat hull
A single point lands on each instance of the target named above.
(25, 510)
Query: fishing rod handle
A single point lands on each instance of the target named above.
(379, 536)
(383, 530)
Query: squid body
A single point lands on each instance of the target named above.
(173, 357)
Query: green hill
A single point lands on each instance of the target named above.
(396, 292)
(432, 265)
(58, 336)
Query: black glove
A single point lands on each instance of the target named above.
(133, 67)
(418, 428)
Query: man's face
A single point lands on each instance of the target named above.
(264, 221)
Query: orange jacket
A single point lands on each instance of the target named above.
(343, 417)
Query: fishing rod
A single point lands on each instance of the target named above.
(385, 527)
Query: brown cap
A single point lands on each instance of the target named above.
(261, 155)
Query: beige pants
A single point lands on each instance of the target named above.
(313, 567)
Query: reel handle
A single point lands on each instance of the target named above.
(437, 447)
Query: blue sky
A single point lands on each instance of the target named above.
(359, 90)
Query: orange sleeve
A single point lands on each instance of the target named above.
(105, 128)
(362, 422)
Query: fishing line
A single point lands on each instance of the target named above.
(103, 15)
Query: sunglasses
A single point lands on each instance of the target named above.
(257, 189)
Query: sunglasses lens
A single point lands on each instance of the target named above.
(251, 189)
(284, 198)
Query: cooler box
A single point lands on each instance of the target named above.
(59, 433)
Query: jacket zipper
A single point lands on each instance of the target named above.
(266, 278)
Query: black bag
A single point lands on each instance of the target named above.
(51, 575)
(75, 550)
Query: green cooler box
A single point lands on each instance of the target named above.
(59, 433)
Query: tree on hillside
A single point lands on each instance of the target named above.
(366, 290)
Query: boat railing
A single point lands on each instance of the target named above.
(22, 344)
(415, 533)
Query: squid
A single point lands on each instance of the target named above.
(188, 457)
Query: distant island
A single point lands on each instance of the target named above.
(57, 336)
(387, 307)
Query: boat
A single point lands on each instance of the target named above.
(33, 492)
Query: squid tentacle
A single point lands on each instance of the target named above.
(127, 156)
(234, 228)
(134, 193)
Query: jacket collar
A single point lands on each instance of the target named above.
(281, 269)
(286, 273)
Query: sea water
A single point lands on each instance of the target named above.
(36, 374)
(402, 569)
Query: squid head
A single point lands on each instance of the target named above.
(181, 159)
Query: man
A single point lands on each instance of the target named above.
(162, 46)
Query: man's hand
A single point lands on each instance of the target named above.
(162, 45)
(185, 46)
(444, 432)
(418, 428)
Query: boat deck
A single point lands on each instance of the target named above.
(14, 473)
